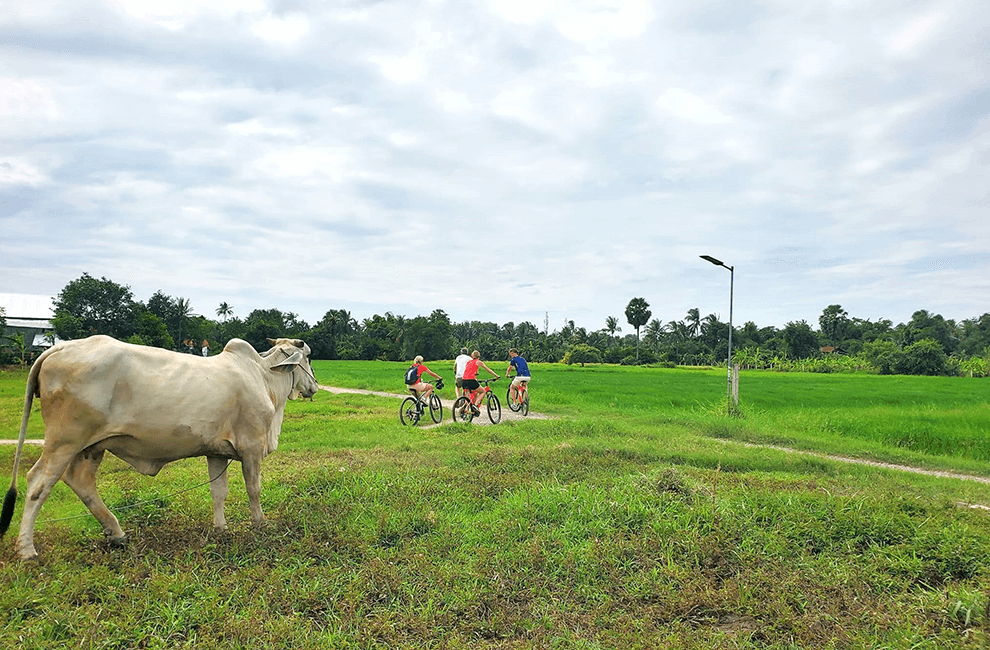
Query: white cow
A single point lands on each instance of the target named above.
(149, 407)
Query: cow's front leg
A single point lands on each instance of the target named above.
(251, 468)
(218, 490)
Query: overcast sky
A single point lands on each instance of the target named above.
(502, 161)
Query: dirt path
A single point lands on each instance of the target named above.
(448, 404)
(862, 461)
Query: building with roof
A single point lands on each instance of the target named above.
(30, 315)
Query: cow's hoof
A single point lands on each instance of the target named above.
(27, 554)
(119, 542)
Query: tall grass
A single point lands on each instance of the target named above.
(627, 521)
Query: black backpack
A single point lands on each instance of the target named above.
(412, 376)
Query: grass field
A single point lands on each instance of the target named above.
(631, 519)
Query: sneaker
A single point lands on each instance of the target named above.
(475, 410)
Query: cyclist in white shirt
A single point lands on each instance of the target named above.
(459, 363)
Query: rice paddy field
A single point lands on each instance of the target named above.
(637, 515)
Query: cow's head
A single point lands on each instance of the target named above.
(295, 360)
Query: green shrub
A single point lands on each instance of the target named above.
(582, 353)
(926, 357)
(884, 354)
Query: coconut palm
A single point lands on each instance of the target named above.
(612, 326)
(653, 334)
(225, 311)
(693, 321)
(183, 310)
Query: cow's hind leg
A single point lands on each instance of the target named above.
(81, 477)
(40, 480)
(218, 490)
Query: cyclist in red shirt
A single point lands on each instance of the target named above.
(421, 388)
(471, 384)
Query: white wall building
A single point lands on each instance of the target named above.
(31, 315)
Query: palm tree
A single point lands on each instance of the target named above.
(638, 314)
(612, 326)
(183, 310)
(225, 311)
(677, 333)
(653, 333)
(693, 321)
(350, 323)
(710, 326)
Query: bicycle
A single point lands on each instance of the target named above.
(464, 410)
(412, 409)
(521, 404)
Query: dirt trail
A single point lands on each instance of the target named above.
(448, 404)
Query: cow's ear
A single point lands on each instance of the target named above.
(293, 359)
(273, 341)
(298, 343)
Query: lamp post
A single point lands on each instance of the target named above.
(732, 276)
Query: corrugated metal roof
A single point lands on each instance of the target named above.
(25, 305)
(30, 323)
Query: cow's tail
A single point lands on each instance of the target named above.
(32, 389)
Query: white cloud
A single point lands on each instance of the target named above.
(18, 171)
(401, 69)
(281, 30)
(178, 14)
(583, 21)
(574, 154)
(917, 31)
(688, 107)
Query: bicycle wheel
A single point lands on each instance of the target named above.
(525, 404)
(409, 411)
(494, 409)
(513, 405)
(436, 408)
(462, 410)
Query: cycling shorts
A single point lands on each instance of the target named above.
(519, 380)
(470, 384)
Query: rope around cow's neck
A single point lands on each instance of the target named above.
(140, 503)
(286, 354)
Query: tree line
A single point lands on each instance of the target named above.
(927, 344)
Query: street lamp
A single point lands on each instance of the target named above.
(732, 276)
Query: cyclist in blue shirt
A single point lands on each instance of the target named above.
(521, 380)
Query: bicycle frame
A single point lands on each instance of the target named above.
(480, 391)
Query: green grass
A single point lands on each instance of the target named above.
(631, 520)
(933, 422)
